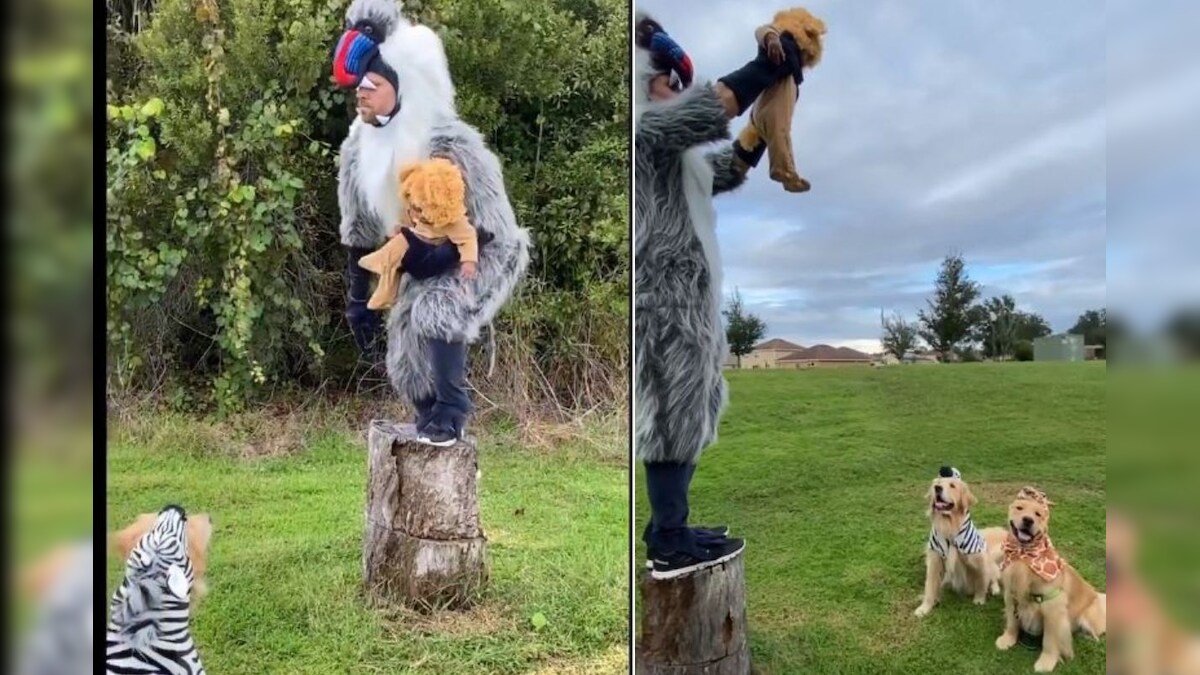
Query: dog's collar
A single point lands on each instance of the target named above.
(1042, 598)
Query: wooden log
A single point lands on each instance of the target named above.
(423, 547)
(695, 624)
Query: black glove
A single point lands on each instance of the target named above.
(365, 324)
(751, 156)
(793, 57)
(750, 80)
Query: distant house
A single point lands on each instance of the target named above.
(767, 354)
(825, 356)
(778, 353)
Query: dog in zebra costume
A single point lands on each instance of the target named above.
(148, 628)
(59, 641)
(958, 554)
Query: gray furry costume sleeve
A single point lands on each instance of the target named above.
(679, 339)
(448, 307)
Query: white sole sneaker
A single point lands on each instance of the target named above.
(683, 571)
(437, 444)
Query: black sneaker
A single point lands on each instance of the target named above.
(672, 565)
(715, 532)
(437, 437)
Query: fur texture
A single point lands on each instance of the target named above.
(1054, 609)
(60, 640)
(448, 307)
(973, 574)
(805, 29)
(151, 609)
(445, 307)
(679, 339)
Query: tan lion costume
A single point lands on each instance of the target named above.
(796, 35)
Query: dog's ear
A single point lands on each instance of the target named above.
(39, 576)
(968, 498)
(199, 533)
(124, 540)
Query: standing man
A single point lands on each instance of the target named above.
(405, 101)
(679, 340)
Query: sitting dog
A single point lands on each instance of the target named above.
(1042, 593)
(958, 555)
(1144, 638)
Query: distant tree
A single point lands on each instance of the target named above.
(743, 330)
(1183, 328)
(1031, 326)
(996, 330)
(952, 314)
(1092, 326)
(899, 336)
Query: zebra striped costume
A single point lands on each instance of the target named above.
(60, 643)
(967, 541)
(148, 631)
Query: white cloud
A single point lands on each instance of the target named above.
(928, 128)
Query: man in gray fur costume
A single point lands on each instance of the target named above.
(679, 339)
(406, 112)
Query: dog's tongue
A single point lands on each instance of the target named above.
(941, 505)
(1024, 536)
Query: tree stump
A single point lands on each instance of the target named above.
(695, 624)
(424, 547)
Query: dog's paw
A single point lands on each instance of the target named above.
(923, 610)
(1005, 641)
(995, 589)
(1045, 663)
(980, 600)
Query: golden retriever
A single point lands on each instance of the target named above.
(199, 533)
(1138, 618)
(1042, 593)
(957, 555)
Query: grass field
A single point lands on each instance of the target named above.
(824, 473)
(285, 564)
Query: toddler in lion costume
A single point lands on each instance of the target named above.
(794, 35)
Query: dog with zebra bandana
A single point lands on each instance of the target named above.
(148, 630)
(958, 554)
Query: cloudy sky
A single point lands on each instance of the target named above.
(929, 127)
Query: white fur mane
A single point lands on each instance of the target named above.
(426, 94)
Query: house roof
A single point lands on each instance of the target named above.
(826, 353)
(777, 344)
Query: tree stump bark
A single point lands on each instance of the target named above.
(695, 624)
(423, 547)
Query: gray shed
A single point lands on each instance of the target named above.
(1064, 347)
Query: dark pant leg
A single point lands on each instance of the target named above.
(667, 485)
(365, 324)
(452, 405)
(424, 408)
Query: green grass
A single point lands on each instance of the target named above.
(824, 473)
(285, 562)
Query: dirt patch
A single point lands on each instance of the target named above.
(482, 620)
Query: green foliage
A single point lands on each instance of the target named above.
(952, 315)
(224, 270)
(1023, 350)
(743, 330)
(1092, 325)
(899, 336)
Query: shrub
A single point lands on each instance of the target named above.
(223, 264)
(1023, 350)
